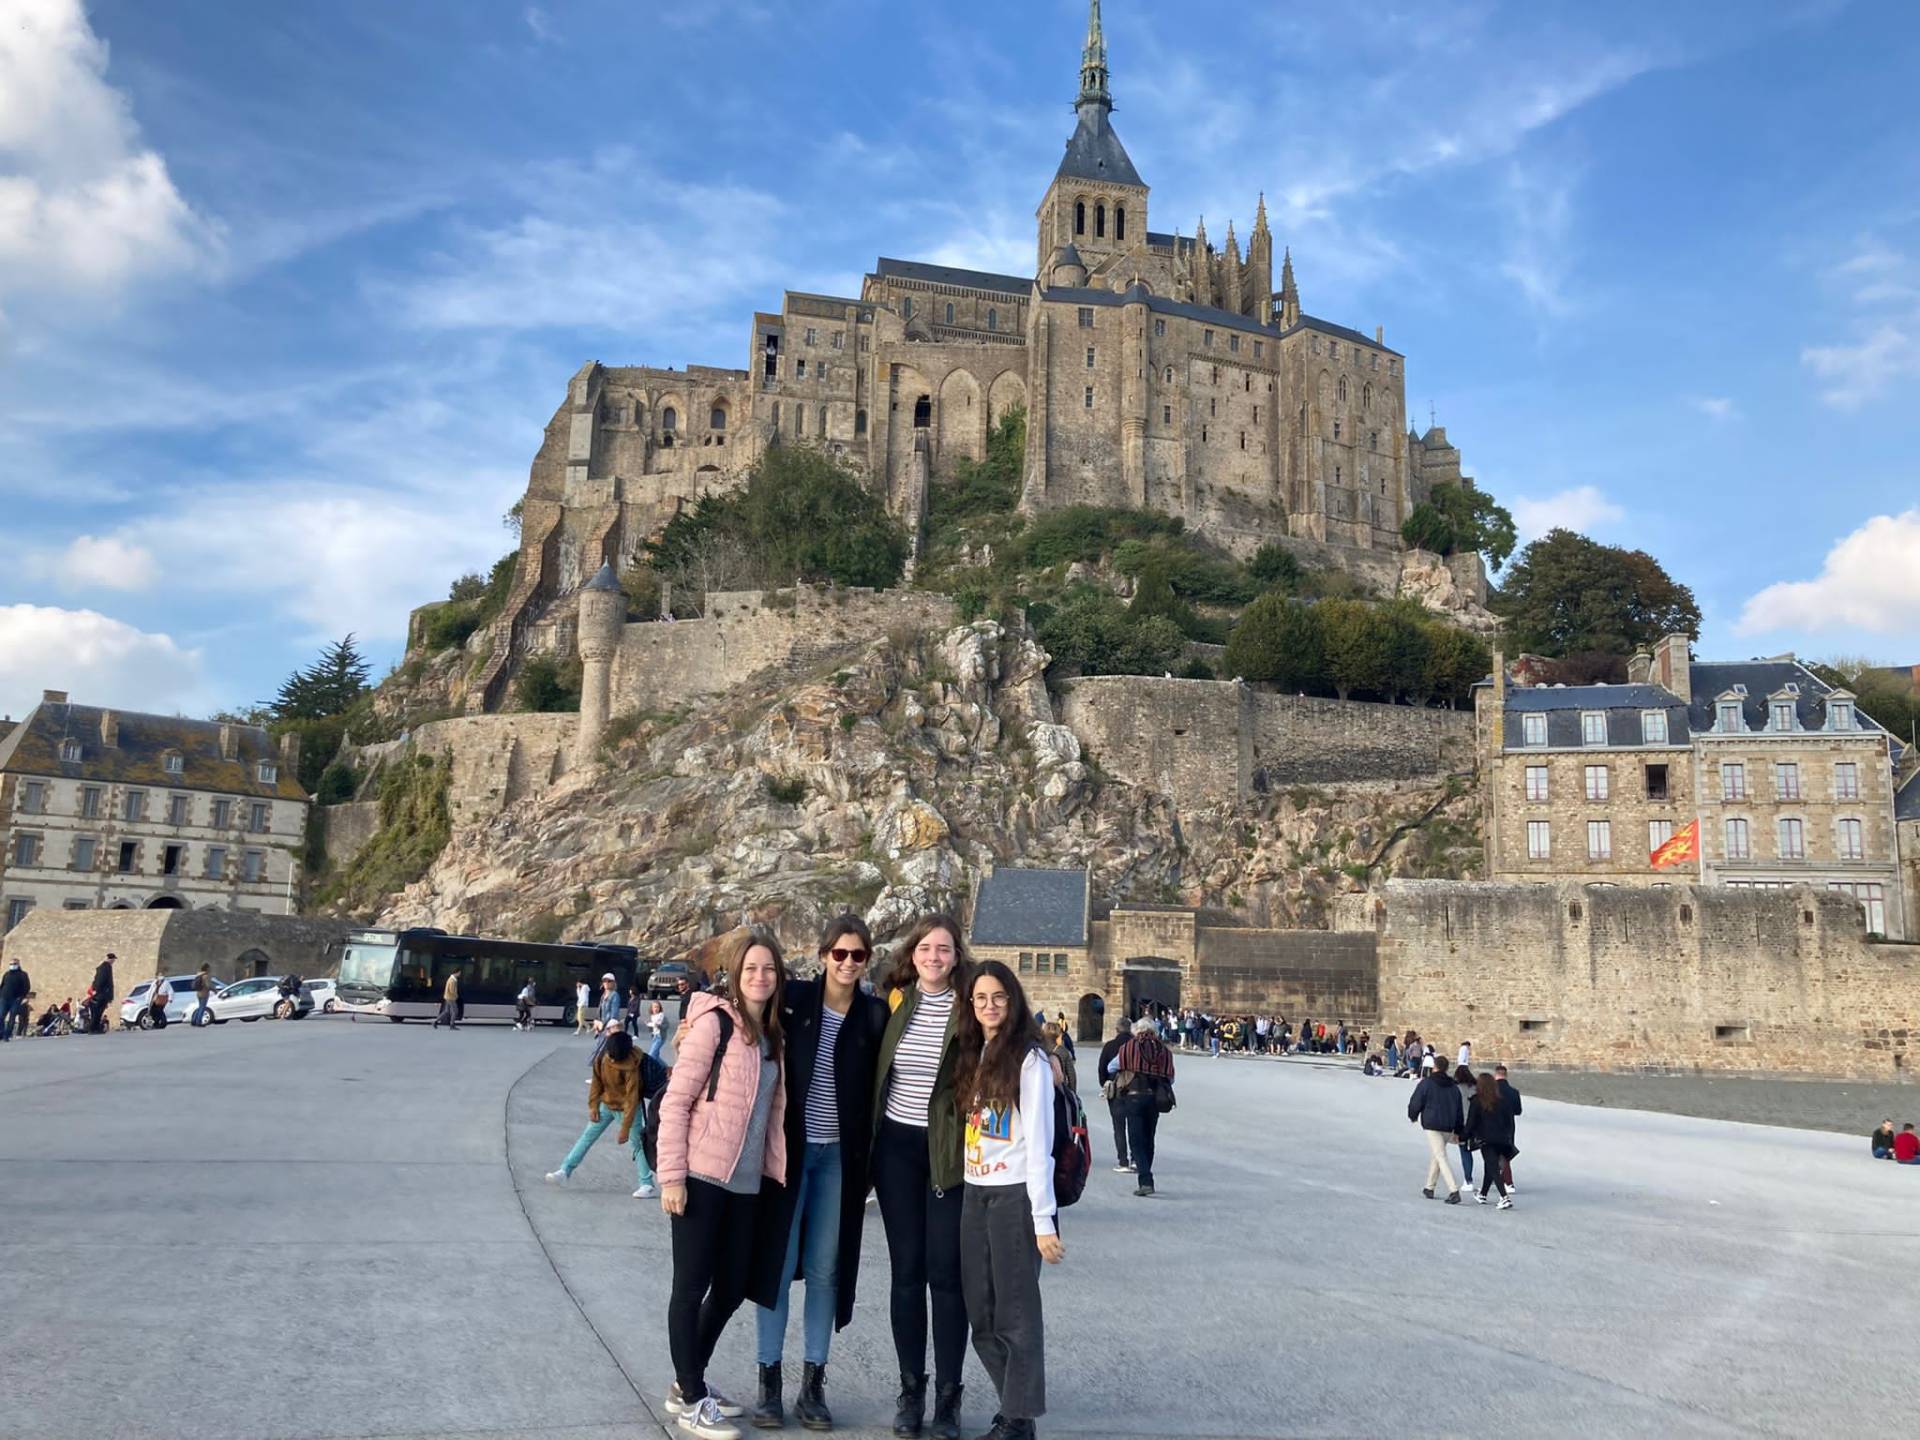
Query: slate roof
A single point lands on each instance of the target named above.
(1031, 907)
(1159, 305)
(1094, 151)
(137, 757)
(1906, 800)
(1327, 327)
(888, 269)
(1623, 705)
(1158, 240)
(1713, 678)
(603, 579)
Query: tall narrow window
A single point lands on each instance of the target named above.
(906, 307)
(1730, 717)
(1596, 782)
(1846, 781)
(1793, 839)
(1653, 727)
(1786, 780)
(1733, 780)
(1090, 357)
(949, 312)
(1533, 729)
(993, 320)
(1781, 714)
(1849, 841)
(1079, 217)
(1738, 847)
(1089, 398)
(1658, 833)
(859, 422)
(1599, 839)
(136, 805)
(1119, 222)
(1100, 222)
(1536, 782)
(1840, 714)
(1539, 840)
(1593, 728)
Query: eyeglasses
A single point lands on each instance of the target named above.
(990, 999)
(845, 955)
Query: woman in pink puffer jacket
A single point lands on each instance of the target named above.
(713, 1157)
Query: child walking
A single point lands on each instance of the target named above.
(1008, 1219)
(723, 1129)
(623, 1080)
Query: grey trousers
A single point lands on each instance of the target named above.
(1000, 1277)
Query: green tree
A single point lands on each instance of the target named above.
(1456, 659)
(1454, 518)
(1152, 595)
(1357, 647)
(548, 685)
(328, 687)
(1274, 568)
(468, 587)
(1279, 639)
(1428, 528)
(984, 487)
(1091, 633)
(1566, 593)
(1406, 646)
(1884, 693)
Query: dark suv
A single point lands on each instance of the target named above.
(665, 979)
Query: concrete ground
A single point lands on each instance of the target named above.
(331, 1229)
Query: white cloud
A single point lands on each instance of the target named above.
(1883, 286)
(1582, 508)
(96, 659)
(85, 208)
(1538, 231)
(1716, 407)
(1855, 374)
(542, 26)
(93, 562)
(1871, 581)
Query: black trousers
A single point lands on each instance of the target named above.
(1000, 1273)
(923, 1243)
(711, 1257)
(1143, 1122)
(1117, 1108)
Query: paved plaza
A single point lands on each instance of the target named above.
(340, 1229)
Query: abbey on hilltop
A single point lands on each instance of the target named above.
(1157, 370)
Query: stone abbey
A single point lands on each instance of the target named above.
(1157, 370)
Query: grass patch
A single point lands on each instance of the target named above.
(415, 825)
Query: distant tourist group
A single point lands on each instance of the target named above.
(1457, 1109)
(1902, 1147)
(790, 1100)
(1256, 1034)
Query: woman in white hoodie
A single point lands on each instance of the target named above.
(1008, 1220)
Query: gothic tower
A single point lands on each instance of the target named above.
(1097, 202)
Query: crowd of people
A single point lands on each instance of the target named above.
(1255, 1034)
(91, 1014)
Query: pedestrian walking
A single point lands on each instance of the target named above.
(608, 1019)
(1489, 1126)
(1510, 1097)
(1435, 1105)
(1144, 1069)
(158, 999)
(1008, 1218)
(722, 1134)
(449, 1003)
(918, 1172)
(15, 986)
(623, 1081)
(1053, 1040)
(1463, 1077)
(811, 1229)
(523, 1008)
(1116, 1107)
(202, 993)
(656, 1028)
(101, 995)
(582, 1008)
(1465, 1058)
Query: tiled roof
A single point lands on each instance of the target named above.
(1623, 705)
(1906, 800)
(1031, 907)
(888, 269)
(1159, 305)
(1327, 327)
(1589, 697)
(1094, 151)
(1156, 240)
(1713, 678)
(137, 756)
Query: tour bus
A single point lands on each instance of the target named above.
(403, 973)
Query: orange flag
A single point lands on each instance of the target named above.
(1684, 846)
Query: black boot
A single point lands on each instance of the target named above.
(1005, 1429)
(810, 1405)
(911, 1410)
(946, 1412)
(769, 1414)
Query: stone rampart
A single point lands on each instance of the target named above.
(497, 759)
(1686, 978)
(1207, 741)
(749, 634)
(1313, 974)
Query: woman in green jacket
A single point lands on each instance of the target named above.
(917, 1171)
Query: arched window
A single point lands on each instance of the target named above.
(906, 308)
(923, 412)
(1343, 389)
(640, 413)
(859, 422)
(1119, 222)
(1366, 396)
(1100, 221)
(1169, 374)
(1079, 217)
(669, 427)
(717, 420)
(993, 319)
(799, 419)
(949, 312)
(776, 416)
(822, 430)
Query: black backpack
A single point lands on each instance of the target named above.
(653, 1088)
(1072, 1150)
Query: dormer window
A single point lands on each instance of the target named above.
(174, 763)
(69, 749)
(1840, 715)
(268, 772)
(1593, 727)
(1729, 717)
(1653, 727)
(1533, 729)
(1780, 714)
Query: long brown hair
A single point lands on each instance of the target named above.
(1487, 1092)
(903, 974)
(732, 960)
(988, 1071)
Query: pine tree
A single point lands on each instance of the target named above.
(328, 687)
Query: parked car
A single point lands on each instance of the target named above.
(136, 1009)
(326, 996)
(252, 999)
(665, 979)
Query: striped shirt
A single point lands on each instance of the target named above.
(916, 1063)
(823, 1102)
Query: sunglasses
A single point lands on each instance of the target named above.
(844, 955)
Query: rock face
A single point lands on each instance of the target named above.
(1428, 578)
(886, 787)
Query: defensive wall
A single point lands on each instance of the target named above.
(1684, 978)
(1205, 741)
(496, 760)
(59, 949)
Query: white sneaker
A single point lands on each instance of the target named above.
(556, 1177)
(706, 1420)
(1506, 1202)
(645, 1192)
(677, 1406)
(1480, 1199)
(1122, 1169)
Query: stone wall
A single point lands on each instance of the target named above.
(1207, 741)
(1688, 978)
(497, 759)
(346, 829)
(60, 948)
(663, 664)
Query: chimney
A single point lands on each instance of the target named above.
(1379, 334)
(53, 697)
(290, 751)
(1639, 668)
(109, 729)
(1499, 680)
(1671, 666)
(227, 741)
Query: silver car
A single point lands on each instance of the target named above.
(258, 998)
(137, 1008)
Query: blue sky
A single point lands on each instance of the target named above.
(287, 293)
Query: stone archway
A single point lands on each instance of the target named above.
(1007, 391)
(251, 964)
(1089, 1021)
(963, 421)
(165, 902)
(1150, 978)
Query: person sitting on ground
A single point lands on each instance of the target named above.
(1372, 1066)
(1906, 1147)
(1882, 1141)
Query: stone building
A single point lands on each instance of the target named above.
(1906, 819)
(1157, 370)
(1790, 783)
(110, 809)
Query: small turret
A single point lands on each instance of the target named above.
(1258, 282)
(1289, 293)
(603, 614)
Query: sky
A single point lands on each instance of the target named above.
(288, 293)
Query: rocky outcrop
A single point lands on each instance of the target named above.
(886, 785)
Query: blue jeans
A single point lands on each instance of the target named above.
(657, 1044)
(642, 1175)
(818, 1199)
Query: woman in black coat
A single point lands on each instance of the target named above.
(810, 1227)
(1490, 1126)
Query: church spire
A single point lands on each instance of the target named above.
(1093, 63)
(1289, 293)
